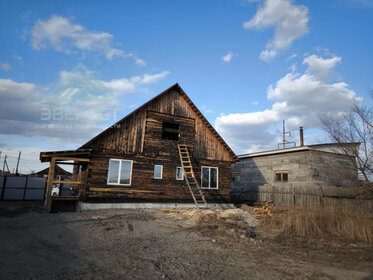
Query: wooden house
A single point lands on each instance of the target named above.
(156, 153)
(59, 171)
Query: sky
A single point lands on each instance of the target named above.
(69, 69)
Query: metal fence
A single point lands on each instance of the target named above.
(22, 188)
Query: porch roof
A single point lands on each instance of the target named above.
(65, 155)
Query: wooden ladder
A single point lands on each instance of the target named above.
(190, 178)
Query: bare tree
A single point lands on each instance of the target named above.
(354, 127)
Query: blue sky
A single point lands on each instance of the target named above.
(246, 64)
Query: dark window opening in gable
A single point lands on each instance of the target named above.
(170, 131)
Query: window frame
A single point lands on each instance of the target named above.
(217, 177)
(158, 178)
(281, 173)
(119, 172)
(178, 179)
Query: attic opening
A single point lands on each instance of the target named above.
(170, 131)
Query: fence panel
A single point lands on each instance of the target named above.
(35, 188)
(22, 188)
(2, 178)
(14, 188)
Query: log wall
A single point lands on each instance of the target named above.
(129, 135)
(139, 138)
(145, 187)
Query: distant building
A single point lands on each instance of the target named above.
(311, 165)
(59, 171)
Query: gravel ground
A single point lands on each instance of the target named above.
(156, 244)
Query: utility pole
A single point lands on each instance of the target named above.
(4, 165)
(19, 157)
(7, 167)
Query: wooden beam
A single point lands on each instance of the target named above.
(48, 192)
(72, 158)
(93, 189)
(65, 197)
(69, 163)
(67, 182)
(83, 179)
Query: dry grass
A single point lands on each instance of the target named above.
(321, 224)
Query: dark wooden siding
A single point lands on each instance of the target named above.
(129, 136)
(145, 187)
(139, 138)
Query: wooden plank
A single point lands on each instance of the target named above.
(48, 192)
(94, 189)
(67, 182)
(65, 197)
(72, 158)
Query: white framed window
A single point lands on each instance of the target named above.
(158, 171)
(120, 172)
(179, 173)
(209, 177)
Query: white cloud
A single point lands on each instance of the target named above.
(129, 85)
(299, 99)
(24, 105)
(320, 67)
(290, 22)
(5, 66)
(290, 57)
(206, 110)
(18, 57)
(228, 57)
(58, 32)
(293, 67)
(255, 103)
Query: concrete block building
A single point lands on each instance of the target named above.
(312, 165)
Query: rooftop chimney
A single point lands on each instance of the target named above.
(301, 136)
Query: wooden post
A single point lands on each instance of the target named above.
(83, 180)
(48, 192)
(75, 177)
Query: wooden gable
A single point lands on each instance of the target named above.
(135, 132)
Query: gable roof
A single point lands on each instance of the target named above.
(58, 170)
(190, 103)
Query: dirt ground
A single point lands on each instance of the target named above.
(162, 244)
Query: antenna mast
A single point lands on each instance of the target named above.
(284, 141)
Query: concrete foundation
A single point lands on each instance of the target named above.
(83, 206)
